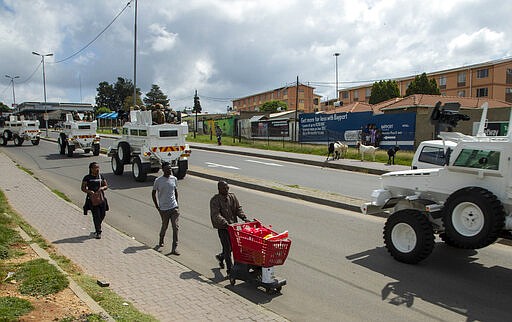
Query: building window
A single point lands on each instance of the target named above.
(461, 79)
(285, 91)
(356, 96)
(442, 82)
(482, 92)
(509, 75)
(461, 93)
(344, 94)
(482, 73)
(443, 93)
(508, 94)
(368, 92)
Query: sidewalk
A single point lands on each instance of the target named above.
(154, 283)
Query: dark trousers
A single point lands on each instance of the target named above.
(226, 247)
(98, 214)
(172, 215)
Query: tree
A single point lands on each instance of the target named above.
(101, 110)
(4, 108)
(105, 96)
(273, 106)
(422, 85)
(114, 96)
(155, 96)
(383, 91)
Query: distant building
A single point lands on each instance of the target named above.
(308, 101)
(489, 80)
(56, 111)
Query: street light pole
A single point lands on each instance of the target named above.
(336, 58)
(44, 89)
(13, 95)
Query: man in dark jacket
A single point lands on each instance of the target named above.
(224, 210)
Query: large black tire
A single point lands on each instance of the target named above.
(138, 172)
(123, 151)
(95, 149)
(35, 142)
(117, 165)
(182, 169)
(62, 144)
(473, 218)
(71, 149)
(7, 135)
(3, 141)
(408, 236)
(17, 140)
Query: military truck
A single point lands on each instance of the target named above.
(77, 134)
(146, 146)
(467, 201)
(20, 130)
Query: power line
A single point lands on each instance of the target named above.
(95, 38)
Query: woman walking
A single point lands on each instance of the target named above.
(94, 185)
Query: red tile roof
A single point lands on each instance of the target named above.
(423, 100)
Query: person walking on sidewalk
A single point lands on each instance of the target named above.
(218, 133)
(93, 183)
(167, 205)
(224, 210)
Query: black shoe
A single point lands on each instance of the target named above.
(220, 259)
(175, 252)
(97, 235)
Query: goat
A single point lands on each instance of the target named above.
(366, 149)
(391, 154)
(337, 149)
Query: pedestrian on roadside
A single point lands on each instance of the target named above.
(92, 183)
(167, 205)
(224, 210)
(218, 133)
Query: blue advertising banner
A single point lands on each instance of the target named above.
(380, 130)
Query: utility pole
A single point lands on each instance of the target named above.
(13, 95)
(135, 58)
(295, 130)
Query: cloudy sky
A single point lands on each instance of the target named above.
(229, 49)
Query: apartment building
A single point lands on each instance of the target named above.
(491, 80)
(308, 101)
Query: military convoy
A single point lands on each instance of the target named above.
(467, 200)
(146, 146)
(78, 134)
(20, 130)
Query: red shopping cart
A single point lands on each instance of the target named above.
(256, 250)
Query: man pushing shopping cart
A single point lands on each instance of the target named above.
(256, 248)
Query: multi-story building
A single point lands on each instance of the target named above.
(308, 101)
(491, 80)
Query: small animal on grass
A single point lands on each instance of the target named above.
(366, 149)
(391, 154)
(337, 149)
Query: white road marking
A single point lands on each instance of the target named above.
(215, 165)
(265, 163)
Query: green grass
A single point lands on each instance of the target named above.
(26, 170)
(12, 307)
(61, 194)
(381, 156)
(39, 278)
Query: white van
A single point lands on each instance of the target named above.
(431, 154)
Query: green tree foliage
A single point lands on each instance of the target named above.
(273, 106)
(422, 85)
(383, 91)
(154, 96)
(101, 110)
(113, 96)
(4, 108)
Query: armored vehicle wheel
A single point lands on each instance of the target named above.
(17, 140)
(123, 150)
(6, 135)
(117, 165)
(473, 218)
(138, 172)
(3, 141)
(96, 149)
(35, 142)
(182, 169)
(62, 144)
(408, 236)
(71, 149)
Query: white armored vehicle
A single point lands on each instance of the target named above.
(146, 146)
(467, 201)
(19, 131)
(77, 134)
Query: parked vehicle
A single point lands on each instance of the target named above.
(146, 146)
(467, 201)
(20, 130)
(77, 134)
